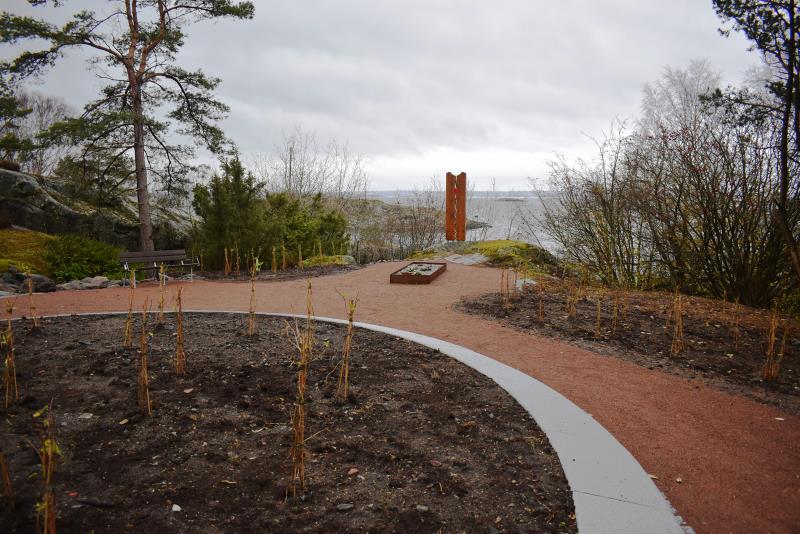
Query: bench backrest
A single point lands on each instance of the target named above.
(153, 256)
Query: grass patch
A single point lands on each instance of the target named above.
(322, 261)
(508, 253)
(24, 249)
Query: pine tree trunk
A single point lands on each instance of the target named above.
(142, 193)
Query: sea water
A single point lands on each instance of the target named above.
(507, 214)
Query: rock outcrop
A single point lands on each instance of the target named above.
(38, 204)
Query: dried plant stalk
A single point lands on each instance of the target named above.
(300, 256)
(10, 366)
(144, 389)
(251, 316)
(283, 256)
(772, 364)
(303, 340)
(625, 307)
(735, 330)
(180, 354)
(48, 453)
(161, 287)
(9, 369)
(343, 386)
(227, 265)
(724, 314)
(238, 265)
(128, 336)
(541, 305)
(678, 345)
(8, 490)
(615, 315)
(597, 321)
(274, 261)
(31, 306)
(572, 300)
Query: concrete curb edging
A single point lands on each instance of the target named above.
(611, 491)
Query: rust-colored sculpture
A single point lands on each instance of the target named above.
(456, 207)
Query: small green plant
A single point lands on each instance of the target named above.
(72, 257)
(48, 453)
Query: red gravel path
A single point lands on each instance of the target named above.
(739, 465)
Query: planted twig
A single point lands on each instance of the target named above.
(624, 307)
(724, 314)
(227, 265)
(300, 256)
(9, 362)
(251, 316)
(283, 256)
(678, 345)
(772, 364)
(615, 314)
(572, 300)
(541, 305)
(144, 389)
(238, 265)
(161, 286)
(8, 490)
(128, 335)
(505, 295)
(343, 386)
(597, 320)
(735, 330)
(274, 261)
(180, 354)
(303, 340)
(48, 453)
(31, 307)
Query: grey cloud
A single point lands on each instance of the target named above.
(400, 79)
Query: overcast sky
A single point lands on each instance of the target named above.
(420, 87)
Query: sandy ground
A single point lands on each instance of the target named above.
(738, 461)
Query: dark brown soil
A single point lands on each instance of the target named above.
(644, 337)
(266, 275)
(436, 446)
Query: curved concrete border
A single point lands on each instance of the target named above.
(611, 491)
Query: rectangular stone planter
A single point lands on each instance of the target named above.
(418, 272)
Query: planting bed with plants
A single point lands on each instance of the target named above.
(291, 273)
(722, 343)
(423, 443)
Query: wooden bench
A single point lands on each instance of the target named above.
(152, 260)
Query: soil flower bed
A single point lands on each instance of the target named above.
(423, 444)
(643, 335)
